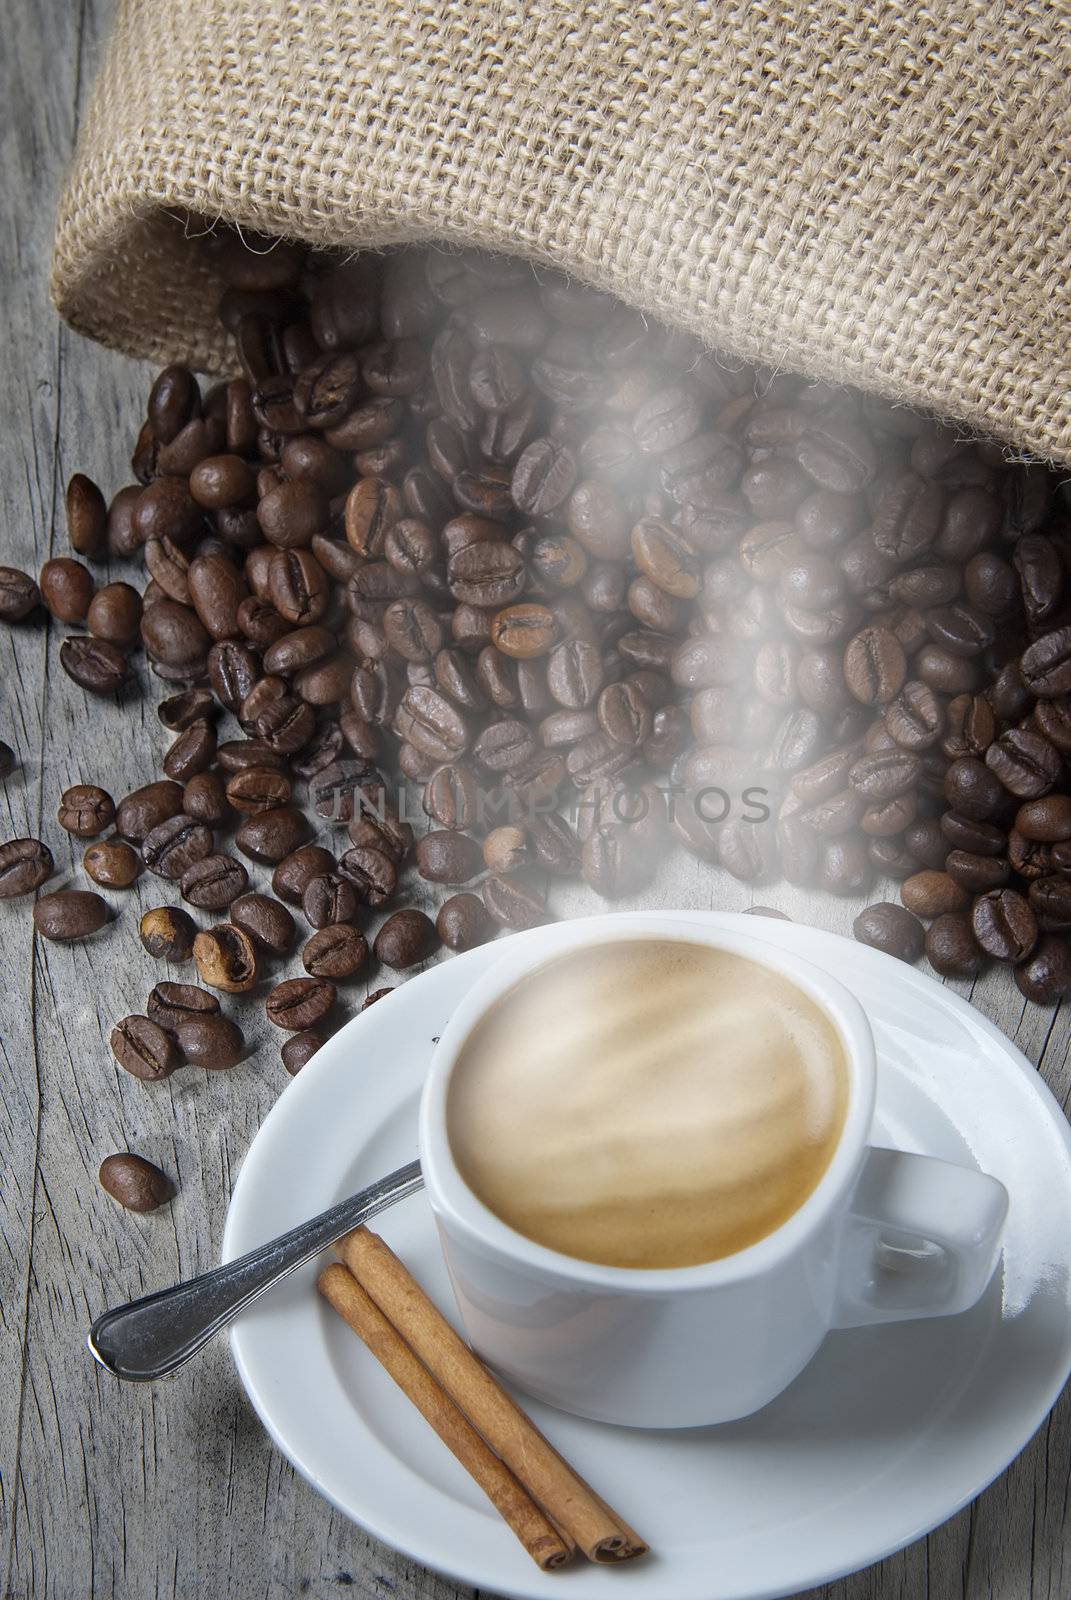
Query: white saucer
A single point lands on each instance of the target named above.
(888, 1432)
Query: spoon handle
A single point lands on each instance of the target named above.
(155, 1335)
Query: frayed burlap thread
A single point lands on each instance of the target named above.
(874, 193)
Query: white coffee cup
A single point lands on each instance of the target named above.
(885, 1236)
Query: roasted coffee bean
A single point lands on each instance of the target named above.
(114, 614)
(1052, 719)
(844, 866)
(323, 753)
(344, 789)
(168, 933)
(173, 846)
(487, 573)
(932, 894)
(524, 631)
(112, 864)
(464, 922)
(300, 1003)
(543, 476)
(1004, 925)
(512, 902)
(836, 814)
(664, 556)
(1050, 901)
(505, 745)
(554, 843)
(373, 874)
(269, 924)
(977, 873)
(1028, 857)
(1025, 763)
(506, 849)
(219, 481)
(960, 629)
(234, 671)
(888, 927)
(271, 836)
(445, 856)
(213, 882)
(286, 725)
(239, 755)
(217, 589)
(574, 673)
(384, 831)
(945, 671)
(192, 752)
(292, 513)
(86, 810)
(973, 789)
(885, 774)
(874, 666)
(971, 726)
(165, 509)
(173, 401)
(329, 898)
(143, 810)
(260, 622)
(564, 728)
(66, 588)
(624, 713)
(137, 1184)
(143, 1049)
(180, 711)
(372, 508)
(172, 1003)
(87, 516)
(1046, 664)
(1047, 820)
(257, 789)
(427, 720)
(211, 1041)
(19, 594)
(174, 636)
(69, 914)
(951, 948)
(1045, 977)
(169, 569)
(457, 679)
(915, 718)
(299, 1050)
(405, 939)
(94, 665)
(412, 629)
(991, 583)
(336, 951)
(294, 872)
(225, 958)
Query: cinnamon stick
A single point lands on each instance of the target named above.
(567, 1499)
(540, 1538)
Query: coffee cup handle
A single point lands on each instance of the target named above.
(922, 1239)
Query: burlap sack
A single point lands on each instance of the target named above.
(876, 192)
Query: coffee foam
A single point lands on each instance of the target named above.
(648, 1103)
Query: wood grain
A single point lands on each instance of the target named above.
(175, 1490)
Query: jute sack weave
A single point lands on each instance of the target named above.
(875, 192)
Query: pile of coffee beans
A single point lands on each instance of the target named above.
(470, 542)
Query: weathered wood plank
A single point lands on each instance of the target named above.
(176, 1490)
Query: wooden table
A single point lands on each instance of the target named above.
(175, 1490)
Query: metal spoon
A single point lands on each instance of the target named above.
(155, 1335)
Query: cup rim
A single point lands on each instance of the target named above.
(460, 1211)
